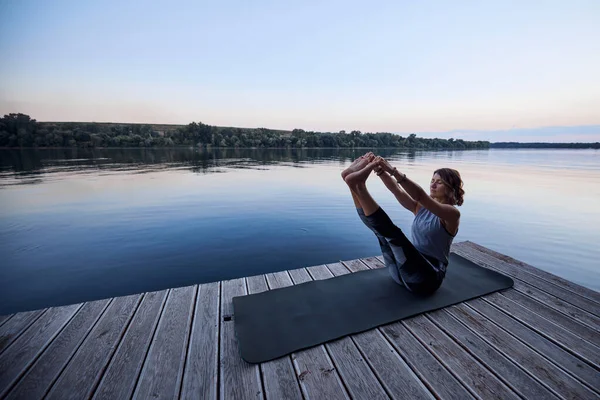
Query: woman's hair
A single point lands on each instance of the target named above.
(454, 185)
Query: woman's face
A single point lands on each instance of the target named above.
(437, 188)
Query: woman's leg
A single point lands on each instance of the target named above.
(386, 250)
(411, 267)
(356, 181)
(357, 165)
(370, 213)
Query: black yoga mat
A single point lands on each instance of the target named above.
(272, 324)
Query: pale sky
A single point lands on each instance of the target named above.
(480, 70)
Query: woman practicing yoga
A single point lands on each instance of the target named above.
(421, 264)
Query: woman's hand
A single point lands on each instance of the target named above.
(382, 162)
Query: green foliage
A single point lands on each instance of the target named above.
(19, 130)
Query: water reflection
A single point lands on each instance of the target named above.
(30, 166)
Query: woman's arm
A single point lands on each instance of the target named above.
(403, 198)
(446, 212)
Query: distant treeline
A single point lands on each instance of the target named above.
(19, 130)
(541, 145)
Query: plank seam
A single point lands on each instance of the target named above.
(549, 320)
(543, 334)
(364, 357)
(6, 320)
(483, 363)
(150, 342)
(38, 354)
(90, 329)
(114, 351)
(22, 331)
(556, 364)
(481, 257)
(188, 339)
(344, 384)
(551, 305)
(467, 387)
(218, 392)
(546, 359)
(478, 259)
(528, 285)
(571, 319)
(475, 247)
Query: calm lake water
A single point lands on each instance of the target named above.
(80, 225)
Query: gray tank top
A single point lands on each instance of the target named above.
(430, 237)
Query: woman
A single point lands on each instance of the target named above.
(421, 264)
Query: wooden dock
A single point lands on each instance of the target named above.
(538, 340)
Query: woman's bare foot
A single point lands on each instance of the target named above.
(358, 164)
(353, 167)
(360, 177)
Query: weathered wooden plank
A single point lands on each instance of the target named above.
(83, 372)
(237, 378)
(464, 366)
(279, 377)
(433, 374)
(537, 366)
(202, 366)
(429, 369)
(256, 284)
(18, 357)
(355, 372)
(399, 381)
(358, 265)
(373, 260)
(581, 330)
(163, 368)
(513, 376)
(40, 376)
(336, 269)
(565, 360)
(316, 373)
(557, 334)
(13, 328)
(4, 318)
(557, 280)
(119, 380)
(395, 375)
(566, 308)
(513, 271)
(378, 261)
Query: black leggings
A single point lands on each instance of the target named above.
(420, 273)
